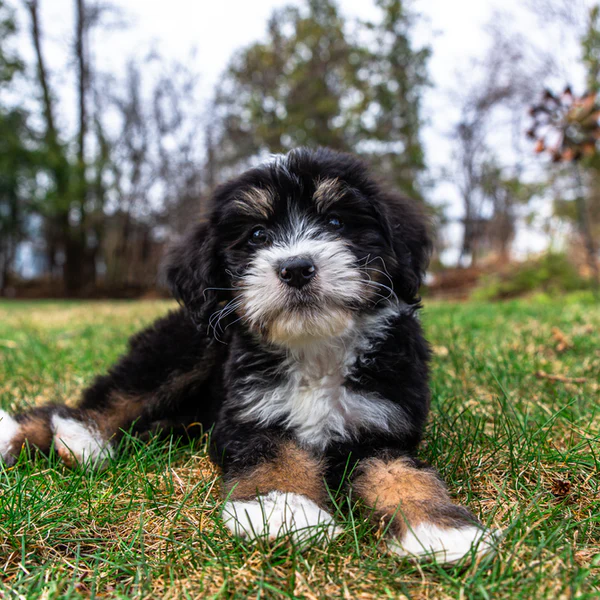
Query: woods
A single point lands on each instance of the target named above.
(88, 205)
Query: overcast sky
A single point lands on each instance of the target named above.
(455, 30)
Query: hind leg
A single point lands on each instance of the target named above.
(86, 436)
(162, 383)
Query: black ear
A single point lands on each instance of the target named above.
(192, 272)
(411, 243)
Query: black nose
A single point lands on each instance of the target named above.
(297, 271)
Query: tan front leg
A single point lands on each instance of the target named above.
(285, 495)
(422, 519)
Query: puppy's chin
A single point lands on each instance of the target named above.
(300, 328)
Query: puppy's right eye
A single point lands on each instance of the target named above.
(259, 237)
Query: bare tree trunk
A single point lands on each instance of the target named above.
(468, 238)
(585, 230)
(82, 80)
(32, 6)
(59, 227)
(83, 258)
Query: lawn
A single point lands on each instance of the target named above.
(514, 431)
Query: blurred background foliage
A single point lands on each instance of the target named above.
(87, 210)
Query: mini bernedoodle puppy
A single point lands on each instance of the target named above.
(300, 346)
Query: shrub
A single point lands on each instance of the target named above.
(551, 273)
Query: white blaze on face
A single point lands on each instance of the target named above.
(272, 306)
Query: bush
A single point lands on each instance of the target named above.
(551, 273)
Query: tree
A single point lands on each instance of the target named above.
(391, 115)
(17, 158)
(505, 194)
(72, 209)
(156, 168)
(573, 124)
(312, 82)
(493, 98)
(566, 126)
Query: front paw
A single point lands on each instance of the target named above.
(448, 545)
(279, 513)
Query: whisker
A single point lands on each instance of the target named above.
(381, 298)
(225, 311)
(378, 271)
(217, 316)
(380, 285)
(382, 262)
(233, 322)
(238, 274)
(376, 285)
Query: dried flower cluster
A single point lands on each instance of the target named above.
(566, 126)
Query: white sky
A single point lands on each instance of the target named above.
(455, 29)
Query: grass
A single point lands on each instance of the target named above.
(514, 431)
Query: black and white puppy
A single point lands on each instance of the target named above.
(299, 344)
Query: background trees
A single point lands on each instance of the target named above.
(87, 204)
(317, 82)
(17, 160)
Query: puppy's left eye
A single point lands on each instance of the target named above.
(334, 222)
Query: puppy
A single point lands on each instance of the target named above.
(299, 344)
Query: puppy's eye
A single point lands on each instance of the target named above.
(334, 222)
(258, 237)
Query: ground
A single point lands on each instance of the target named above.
(514, 431)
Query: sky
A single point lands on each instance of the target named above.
(456, 30)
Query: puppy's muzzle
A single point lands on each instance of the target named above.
(296, 271)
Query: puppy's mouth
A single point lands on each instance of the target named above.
(304, 299)
(301, 317)
(305, 323)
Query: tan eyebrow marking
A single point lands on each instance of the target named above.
(328, 192)
(256, 202)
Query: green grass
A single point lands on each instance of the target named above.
(518, 447)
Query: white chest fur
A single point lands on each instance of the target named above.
(313, 401)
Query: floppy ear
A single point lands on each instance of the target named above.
(411, 244)
(193, 274)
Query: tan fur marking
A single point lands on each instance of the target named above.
(398, 488)
(256, 202)
(122, 411)
(293, 470)
(35, 432)
(181, 382)
(328, 192)
(66, 456)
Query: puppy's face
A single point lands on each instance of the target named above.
(303, 257)
(298, 248)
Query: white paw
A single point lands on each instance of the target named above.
(78, 442)
(277, 514)
(9, 429)
(446, 545)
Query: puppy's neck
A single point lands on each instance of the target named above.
(338, 353)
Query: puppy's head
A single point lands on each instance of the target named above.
(297, 248)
